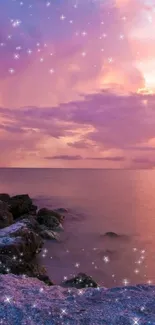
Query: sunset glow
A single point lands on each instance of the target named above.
(77, 83)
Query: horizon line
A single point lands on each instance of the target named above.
(74, 168)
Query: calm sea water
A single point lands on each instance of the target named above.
(99, 201)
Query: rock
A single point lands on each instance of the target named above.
(33, 210)
(6, 217)
(42, 230)
(4, 197)
(46, 279)
(47, 212)
(49, 234)
(20, 204)
(31, 222)
(32, 302)
(59, 228)
(111, 234)
(19, 240)
(80, 281)
(18, 266)
(49, 221)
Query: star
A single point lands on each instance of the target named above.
(62, 17)
(7, 299)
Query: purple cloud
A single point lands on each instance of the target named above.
(143, 162)
(142, 148)
(82, 144)
(116, 158)
(100, 122)
(64, 157)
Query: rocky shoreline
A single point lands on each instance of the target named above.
(23, 229)
(30, 302)
(29, 296)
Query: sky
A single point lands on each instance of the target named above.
(77, 83)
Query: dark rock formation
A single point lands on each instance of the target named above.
(18, 240)
(80, 281)
(49, 221)
(21, 204)
(21, 235)
(33, 210)
(18, 266)
(111, 234)
(50, 213)
(6, 217)
(5, 197)
(49, 234)
(31, 222)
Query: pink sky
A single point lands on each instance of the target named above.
(77, 84)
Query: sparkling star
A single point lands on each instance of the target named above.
(77, 265)
(125, 282)
(106, 259)
(7, 299)
(62, 17)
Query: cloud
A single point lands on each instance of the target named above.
(115, 159)
(143, 163)
(100, 122)
(78, 157)
(82, 144)
(74, 75)
(64, 157)
(105, 125)
(142, 148)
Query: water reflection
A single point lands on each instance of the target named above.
(99, 201)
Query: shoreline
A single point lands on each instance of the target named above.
(24, 228)
(32, 302)
(35, 299)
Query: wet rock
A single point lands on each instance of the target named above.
(33, 209)
(20, 204)
(80, 281)
(41, 229)
(31, 222)
(4, 197)
(46, 279)
(47, 212)
(18, 266)
(49, 221)
(59, 228)
(18, 240)
(111, 234)
(49, 234)
(6, 217)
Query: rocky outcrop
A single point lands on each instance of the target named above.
(111, 234)
(21, 204)
(21, 235)
(47, 213)
(49, 221)
(49, 234)
(19, 240)
(5, 197)
(19, 266)
(32, 302)
(80, 281)
(6, 217)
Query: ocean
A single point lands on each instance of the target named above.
(98, 201)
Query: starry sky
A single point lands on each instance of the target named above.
(77, 83)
